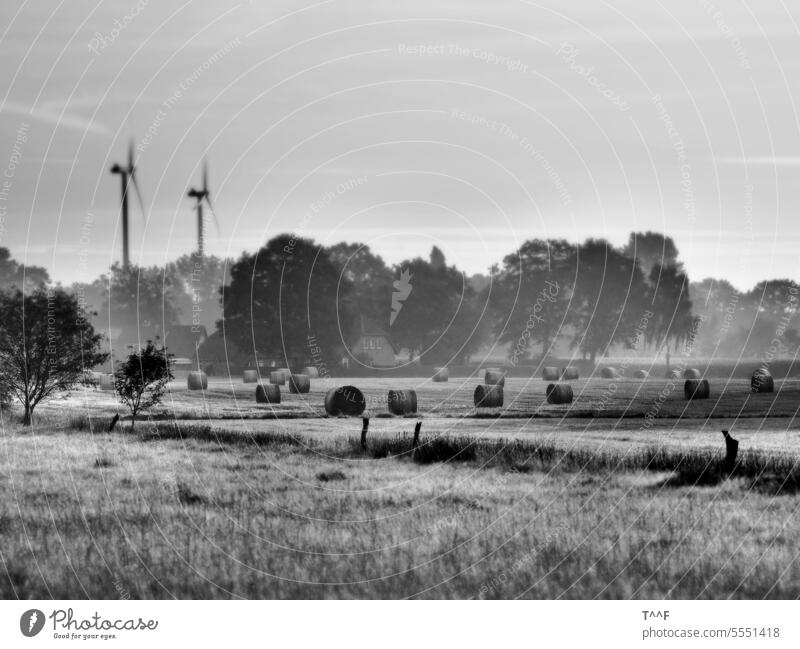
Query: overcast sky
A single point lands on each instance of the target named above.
(469, 125)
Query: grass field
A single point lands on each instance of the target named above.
(219, 498)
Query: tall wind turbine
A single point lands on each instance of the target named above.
(200, 195)
(128, 177)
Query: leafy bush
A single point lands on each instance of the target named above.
(142, 380)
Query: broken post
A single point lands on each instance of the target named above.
(364, 428)
(731, 451)
(113, 423)
(416, 435)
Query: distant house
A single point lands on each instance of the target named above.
(373, 345)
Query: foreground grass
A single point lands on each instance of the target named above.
(158, 513)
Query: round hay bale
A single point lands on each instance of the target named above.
(277, 378)
(549, 374)
(311, 372)
(402, 402)
(609, 373)
(488, 396)
(559, 393)
(197, 380)
(285, 371)
(106, 381)
(641, 374)
(299, 383)
(346, 400)
(569, 373)
(696, 389)
(268, 393)
(494, 377)
(692, 373)
(762, 381)
(672, 374)
(441, 375)
(250, 376)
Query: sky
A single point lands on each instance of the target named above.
(472, 126)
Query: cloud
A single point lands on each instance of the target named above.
(760, 160)
(51, 113)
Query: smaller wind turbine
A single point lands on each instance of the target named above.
(128, 177)
(201, 195)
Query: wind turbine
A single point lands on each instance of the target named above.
(128, 177)
(201, 195)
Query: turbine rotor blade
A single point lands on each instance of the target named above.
(213, 211)
(205, 175)
(139, 197)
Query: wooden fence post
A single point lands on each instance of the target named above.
(364, 428)
(416, 435)
(731, 450)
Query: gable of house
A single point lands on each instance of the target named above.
(374, 345)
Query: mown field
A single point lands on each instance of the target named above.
(217, 496)
(617, 398)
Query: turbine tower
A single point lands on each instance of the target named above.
(128, 177)
(201, 195)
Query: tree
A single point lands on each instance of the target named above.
(141, 380)
(13, 274)
(196, 283)
(464, 333)
(672, 320)
(651, 249)
(46, 343)
(370, 278)
(427, 299)
(284, 296)
(778, 298)
(91, 296)
(531, 295)
(437, 259)
(141, 297)
(607, 298)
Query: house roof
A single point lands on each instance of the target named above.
(370, 328)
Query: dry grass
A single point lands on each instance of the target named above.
(197, 512)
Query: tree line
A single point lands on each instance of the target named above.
(546, 298)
